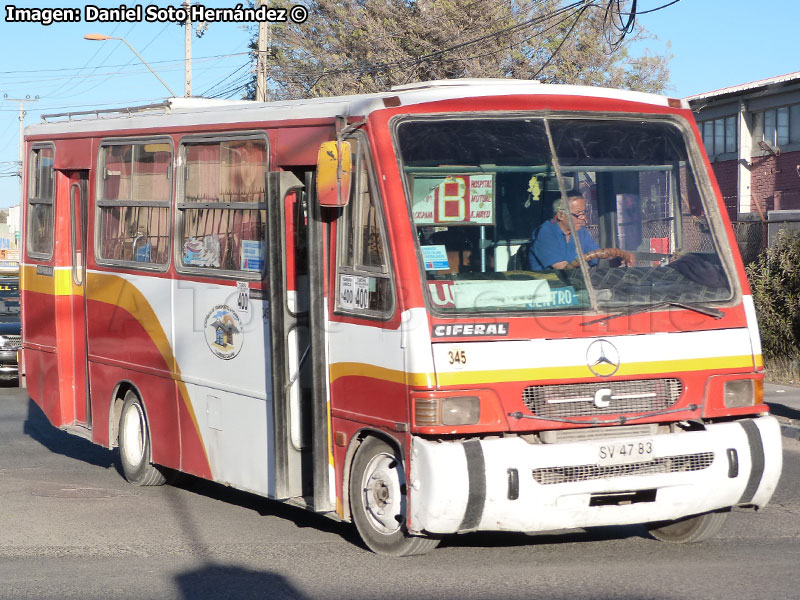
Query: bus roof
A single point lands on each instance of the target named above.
(202, 111)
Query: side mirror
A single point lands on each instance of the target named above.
(334, 173)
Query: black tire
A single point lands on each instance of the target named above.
(691, 529)
(134, 444)
(378, 501)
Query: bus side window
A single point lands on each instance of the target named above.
(364, 277)
(372, 253)
(222, 204)
(133, 197)
(41, 178)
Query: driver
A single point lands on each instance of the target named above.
(553, 246)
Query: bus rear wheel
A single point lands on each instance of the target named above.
(134, 444)
(378, 501)
(691, 529)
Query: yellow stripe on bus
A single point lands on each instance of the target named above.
(60, 283)
(349, 369)
(117, 291)
(345, 369)
(583, 372)
(65, 286)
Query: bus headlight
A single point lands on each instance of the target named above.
(461, 410)
(457, 411)
(738, 393)
(452, 410)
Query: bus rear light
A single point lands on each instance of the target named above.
(450, 411)
(738, 393)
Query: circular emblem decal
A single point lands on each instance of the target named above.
(602, 358)
(223, 330)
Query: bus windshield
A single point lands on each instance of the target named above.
(499, 202)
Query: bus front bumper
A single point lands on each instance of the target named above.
(508, 484)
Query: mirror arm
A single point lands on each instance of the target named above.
(343, 129)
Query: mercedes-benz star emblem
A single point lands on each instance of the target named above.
(602, 358)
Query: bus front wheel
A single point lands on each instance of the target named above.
(378, 501)
(134, 444)
(691, 529)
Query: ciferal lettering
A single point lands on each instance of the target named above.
(471, 330)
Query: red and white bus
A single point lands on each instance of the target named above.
(330, 303)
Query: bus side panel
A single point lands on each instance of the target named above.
(38, 317)
(222, 351)
(193, 452)
(42, 377)
(298, 145)
(235, 430)
(39, 333)
(130, 344)
(158, 396)
(129, 320)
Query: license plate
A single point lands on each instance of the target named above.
(620, 453)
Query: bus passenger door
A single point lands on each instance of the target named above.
(300, 400)
(78, 186)
(289, 336)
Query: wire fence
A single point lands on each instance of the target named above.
(753, 237)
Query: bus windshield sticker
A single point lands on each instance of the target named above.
(252, 256)
(143, 253)
(442, 294)
(435, 258)
(223, 331)
(353, 292)
(454, 200)
(471, 294)
(201, 253)
(559, 297)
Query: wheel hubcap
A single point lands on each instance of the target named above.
(384, 502)
(133, 435)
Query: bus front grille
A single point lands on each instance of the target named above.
(13, 341)
(669, 464)
(602, 398)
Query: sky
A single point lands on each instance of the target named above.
(713, 43)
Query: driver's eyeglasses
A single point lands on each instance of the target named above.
(581, 214)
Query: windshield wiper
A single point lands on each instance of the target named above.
(705, 310)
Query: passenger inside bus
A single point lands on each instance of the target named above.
(553, 246)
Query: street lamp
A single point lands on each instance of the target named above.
(102, 38)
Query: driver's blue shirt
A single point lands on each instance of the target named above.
(550, 246)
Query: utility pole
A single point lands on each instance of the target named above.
(22, 114)
(187, 89)
(261, 66)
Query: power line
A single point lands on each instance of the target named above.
(91, 58)
(108, 55)
(410, 63)
(564, 39)
(155, 62)
(245, 65)
(652, 10)
(135, 70)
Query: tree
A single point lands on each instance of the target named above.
(361, 46)
(775, 282)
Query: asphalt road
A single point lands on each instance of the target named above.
(71, 527)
